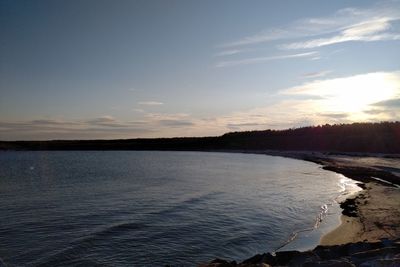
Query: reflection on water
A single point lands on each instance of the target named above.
(156, 208)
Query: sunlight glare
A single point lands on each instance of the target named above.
(355, 94)
(351, 95)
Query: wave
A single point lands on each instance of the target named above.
(68, 255)
(347, 187)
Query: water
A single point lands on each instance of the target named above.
(136, 208)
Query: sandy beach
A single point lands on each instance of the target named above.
(378, 217)
(373, 214)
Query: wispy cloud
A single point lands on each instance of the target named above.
(316, 74)
(150, 125)
(385, 110)
(107, 121)
(262, 37)
(334, 115)
(379, 22)
(101, 127)
(366, 31)
(176, 123)
(150, 103)
(352, 24)
(254, 60)
(244, 125)
(228, 52)
(163, 121)
(391, 103)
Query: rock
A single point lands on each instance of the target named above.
(219, 263)
(284, 257)
(375, 254)
(261, 258)
(329, 263)
(255, 265)
(331, 252)
(307, 256)
(380, 254)
(349, 207)
(382, 263)
(363, 246)
(387, 251)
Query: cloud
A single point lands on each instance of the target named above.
(150, 103)
(237, 126)
(103, 119)
(336, 100)
(150, 125)
(228, 52)
(371, 96)
(351, 23)
(175, 123)
(107, 121)
(47, 122)
(101, 127)
(262, 37)
(317, 74)
(391, 103)
(366, 31)
(379, 22)
(254, 60)
(352, 95)
(334, 115)
(281, 115)
(374, 111)
(169, 120)
(387, 109)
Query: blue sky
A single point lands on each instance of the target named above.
(125, 69)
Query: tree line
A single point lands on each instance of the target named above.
(383, 137)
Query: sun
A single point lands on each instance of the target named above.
(351, 95)
(355, 94)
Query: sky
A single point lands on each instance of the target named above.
(96, 69)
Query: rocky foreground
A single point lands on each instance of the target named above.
(370, 231)
(363, 254)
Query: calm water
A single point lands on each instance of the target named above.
(156, 208)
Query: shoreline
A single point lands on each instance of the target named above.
(370, 220)
(361, 219)
(373, 214)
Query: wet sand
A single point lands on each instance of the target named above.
(375, 211)
(378, 217)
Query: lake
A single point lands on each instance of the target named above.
(138, 208)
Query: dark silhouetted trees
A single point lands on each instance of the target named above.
(381, 137)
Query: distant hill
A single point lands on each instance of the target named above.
(381, 137)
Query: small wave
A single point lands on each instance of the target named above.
(66, 255)
(347, 186)
(187, 203)
(318, 220)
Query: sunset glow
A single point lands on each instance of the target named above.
(350, 95)
(156, 69)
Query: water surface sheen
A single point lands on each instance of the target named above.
(138, 208)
